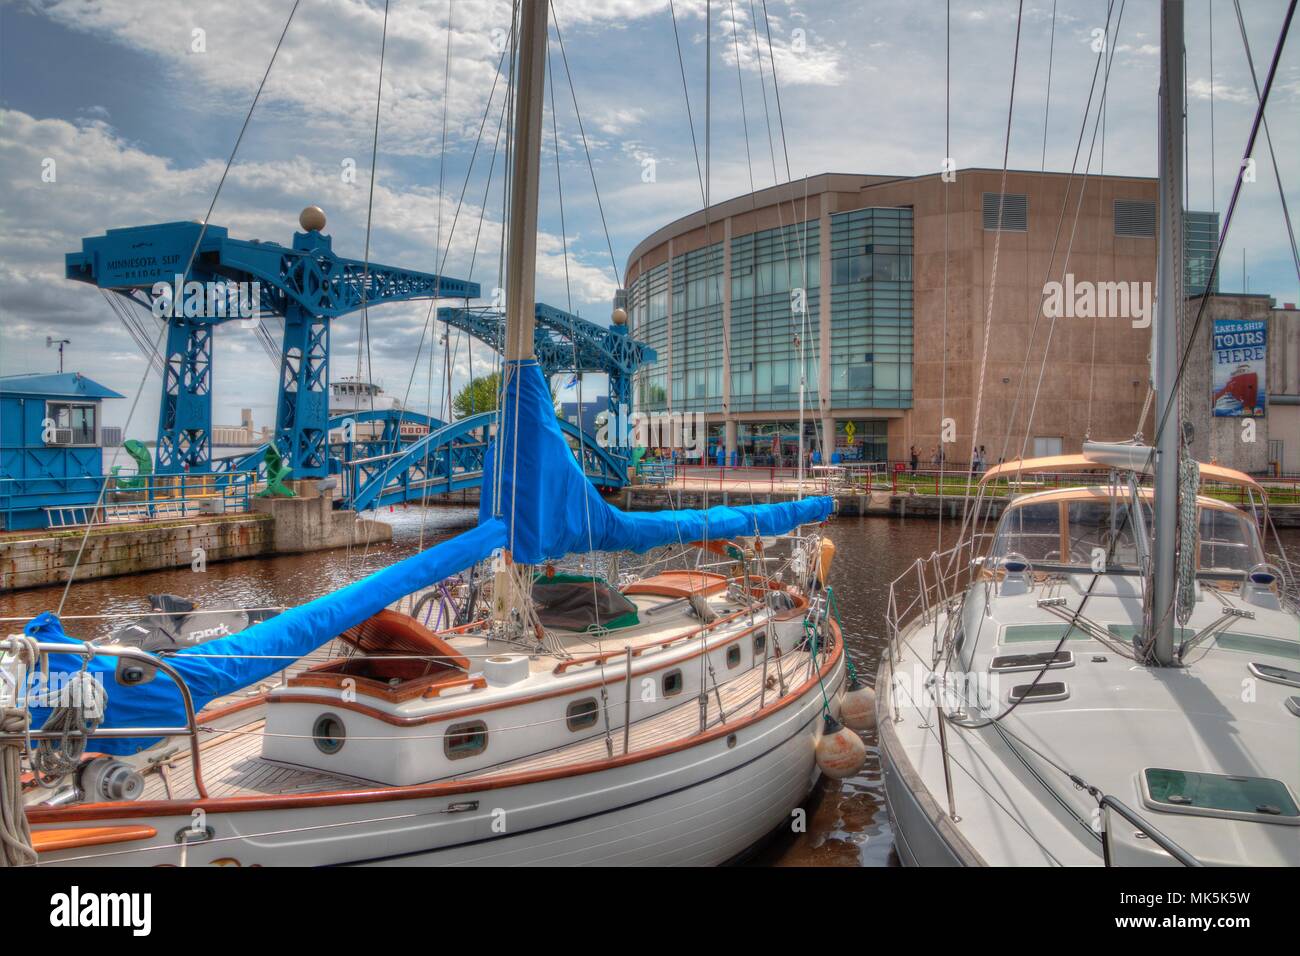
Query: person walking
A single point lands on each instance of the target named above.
(916, 459)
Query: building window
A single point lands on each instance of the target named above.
(74, 422)
(465, 740)
(672, 683)
(1135, 219)
(582, 714)
(1010, 214)
(733, 655)
(1046, 446)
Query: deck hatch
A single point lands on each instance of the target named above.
(1219, 795)
(1006, 663)
(1043, 690)
(1278, 675)
(1025, 633)
(1258, 644)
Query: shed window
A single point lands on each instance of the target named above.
(79, 418)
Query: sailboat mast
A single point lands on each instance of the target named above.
(1165, 348)
(521, 242)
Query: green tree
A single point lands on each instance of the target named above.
(478, 395)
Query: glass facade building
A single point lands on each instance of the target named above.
(1201, 230)
(871, 308)
(849, 272)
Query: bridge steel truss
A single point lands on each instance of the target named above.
(307, 284)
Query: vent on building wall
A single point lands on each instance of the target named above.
(110, 436)
(1013, 216)
(1135, 219)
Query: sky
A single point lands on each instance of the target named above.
(124, 112)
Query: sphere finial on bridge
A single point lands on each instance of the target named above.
(620, 316)
(312, 219)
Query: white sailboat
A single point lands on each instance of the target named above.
(672, 717)
(1111, 677)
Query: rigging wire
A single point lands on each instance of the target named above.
(189, 264)
(1051, 325)
(1047, 103)
(947, 158)
(618, 282)
(997, 248)
(437, 243)
(363, 328)
(681, 63)
(1228, 214)
(1268, 138)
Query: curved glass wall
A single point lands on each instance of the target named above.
(871, 308)
(774, 275)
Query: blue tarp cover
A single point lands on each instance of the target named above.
(296, 632)
(548, 509)
(553, 500)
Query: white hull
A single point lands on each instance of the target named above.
(702, 804)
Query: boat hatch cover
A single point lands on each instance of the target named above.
(1219, 795)
(1278, 675)
(1032, 662)
(1044, 690)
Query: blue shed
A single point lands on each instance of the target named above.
(51, 452)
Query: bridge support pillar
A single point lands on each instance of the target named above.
(302, 416)
(185, 413)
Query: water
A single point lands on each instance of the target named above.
(847, 823)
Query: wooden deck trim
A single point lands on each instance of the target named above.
(610, 680)
(71, 838)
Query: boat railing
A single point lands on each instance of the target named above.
(80, 648)
(1107, 802)
(930, 585)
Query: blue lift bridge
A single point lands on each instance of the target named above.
(309, 286)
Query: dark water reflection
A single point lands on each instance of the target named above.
(848, 824)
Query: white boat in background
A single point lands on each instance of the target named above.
(1024, 722)
(1112, 676)
(351, 396)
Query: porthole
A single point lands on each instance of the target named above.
(465, 740)
(760, 644)
(582, 714)
(731, 741)
(672, 683)
(733, 655)
(329, 733)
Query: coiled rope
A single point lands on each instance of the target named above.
(15, 832)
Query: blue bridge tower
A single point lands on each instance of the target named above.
(238, 280)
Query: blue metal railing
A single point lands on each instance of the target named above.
(78, 501)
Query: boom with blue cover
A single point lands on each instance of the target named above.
(224, 666)
(550, 508)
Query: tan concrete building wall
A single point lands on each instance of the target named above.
(1095, 377)
(1284, 387)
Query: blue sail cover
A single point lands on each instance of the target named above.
(551, 509)
(259, 651)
